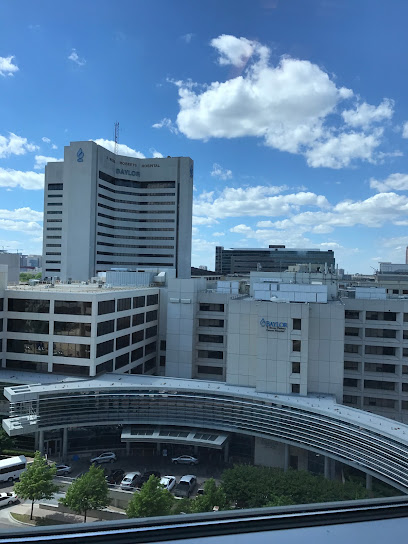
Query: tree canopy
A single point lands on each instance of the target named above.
(37, 481)
(89, 492)
(152, 500)
(213, 497)
(6, 443)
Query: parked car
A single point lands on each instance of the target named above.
(130, 480)
(106, 457)
(168, 482)
(115, 476)
(63, 470)
(185, 460)
(8, 498)
(147, 475)
(185, 486)
(200, 491)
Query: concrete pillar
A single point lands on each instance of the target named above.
(41, 442)
(369, 482)
(65, 443)
(226, 452)
(327, 467)
(127, 448)
(286, 458)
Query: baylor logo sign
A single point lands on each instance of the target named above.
(279, 326)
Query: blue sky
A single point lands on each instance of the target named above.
(294, 111)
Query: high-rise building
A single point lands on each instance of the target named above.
(104, 211)
(275, 258)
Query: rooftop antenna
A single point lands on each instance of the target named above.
(116, 137)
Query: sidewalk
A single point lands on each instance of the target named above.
(57, 517)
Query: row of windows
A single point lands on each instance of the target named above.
(138, 202)
(210, 354)
(372, 401)
(123, 237)
(118, 192)
(375, 367)
(212, 338)
(211, 307)
(373, 350)
(133, 220)
(141, 229)
(123, 304)
(43, 306)
(134, 263)
(374, 316)
(42, 327)
(111, 254)
(60, 349)
(211, 323)
(107, 347)
(375, 384)
(126, 210)
(131, 247)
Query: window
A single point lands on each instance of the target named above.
(150, 348)
(137, 370)
(296, 324)
(105, 327)
(162, 345)
(150, 364)
(151, 316)
(107, 366)
(405, 352)
(152, 299)
(72, 307)
(104, 348)
(27, 346)
(381, 316)
(136, 354)
(296, 345)
(72, 329)
(405, 335)
(28, 305)
(215, 370)
(122, 360)
(162, 360)
(106, 307)
(380, 350)
(138, 319)
(211, 322)
(351, 331)
(1, 304)
(351, 365)
(63, 349)
(295, 388)
(55, 186)
(208, 354)
(379, 367)
(381, 333)
(351, 348)
(32, 366)
(152, 331)
(211, 338)
(350, 399)
(404, 387)
(137, 336)
(295, 368)
(379, 403)
(122, 323)
(352, 314)
(123, 341)
(138, 302)
(405, 369)
(350, 382)
(70, 369)
(211, 307)
(28, 325)
(377, 384)
(124, 304)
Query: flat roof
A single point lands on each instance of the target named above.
(75, 288)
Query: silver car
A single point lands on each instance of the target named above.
(8, 498)
(63, 470)
(106, 457)
(185, 460)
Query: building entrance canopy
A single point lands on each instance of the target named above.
(191, 437)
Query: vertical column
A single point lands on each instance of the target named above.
(65, 443)
(286, 458)
(127, 448)
(36, 441)
(226, 452)
(327, 467)
(41, 442)
(369, 482)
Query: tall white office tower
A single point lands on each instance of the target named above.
(104, 211)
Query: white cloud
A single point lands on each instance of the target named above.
(46, 140)
(219, 172)
(218, 234)
(405, 130)
(241, 229)
(187, 37)
(204, 220)
(122, 148)
(15, 145)
(41, 161)
(194, 231)
(53, 146)
(293, 106)
(75, 58)
(21, 220)
(396, 182)
(17, 178)
(30, 227)
(167, 123)
(365, 114)
(156, 154)
(7, 68)
(21, 214)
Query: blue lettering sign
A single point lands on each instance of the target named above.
(125, 172)
(273, 325)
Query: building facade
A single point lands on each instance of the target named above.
(104, 211)
(273, 259)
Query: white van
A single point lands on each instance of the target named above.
(12, 467)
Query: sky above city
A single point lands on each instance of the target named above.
(294, 111)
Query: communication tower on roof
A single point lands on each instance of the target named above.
(116, 137)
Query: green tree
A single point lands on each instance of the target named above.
(152, 500)
(89, 492)
(38, 276)
(6, 443)
(37, 482)
(213, 496)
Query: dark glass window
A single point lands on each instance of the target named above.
(296, 345)
(163, 345)
(28, 325)
(351, 365)
(65, 349)
(350, 399)
(73, 307)
(405, 335)
(379, 367)
(379, 403)
(295, 368)
(122, 341)
(123, 323)
(107, 366)
(352, 331)
(137, 319)
(379, 384)
(137, 370)
(211, 307)
(152, 331)
(351, 348)
(77, 370)
(137, 336)
(295, 388)
(104, 348)
(381, 316)
(151, 316)
(55, 186)
(381, 333)
(124, 304)
(379, 350)
(72, 329)
(211, 322)
(122, 360)
(27, 346)
(297, 324)
(215, 370)
(106, 307)
(150, 348)
(208, 354)
(32, 366)
(213, 338)
(28, 305)
(150, 364)
(1, 325)
(105, 327)
(136, 354)
(139, 302)
(352, 314)
(350, 382)
(152, 299)
(162, 360)
(1, 304)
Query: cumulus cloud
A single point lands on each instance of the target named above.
(15, 145)
(48, 141)
(21, 220)
(187, 37)
(21, 214)
(122, 148)
(17, 178)
(394, 182)
(156, 154)
(7, 67)
(41, 161)
(217, 234)
(292, 106)
(405, 130)
(75, 58)
(365, 114)
(204, 220)
(221, 173)
(167, 123)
